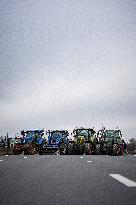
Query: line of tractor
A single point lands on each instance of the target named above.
(82, 141)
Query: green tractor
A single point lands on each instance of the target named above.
(84, 141)
(111, 142)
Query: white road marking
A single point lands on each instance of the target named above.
(6, 155)
(88, 161)
(134, 155)
(1, 160)
(123, 180)
(25, 157)
(81, 157)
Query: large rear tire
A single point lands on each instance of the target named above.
(62, 149)
(98, 149)
(40, 153)
(88, 149)
(26, 150)
(115, 150)
(70, 150)
(121, 150)
(80, 149)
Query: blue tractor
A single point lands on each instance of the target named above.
(57, 143)
(32, 141)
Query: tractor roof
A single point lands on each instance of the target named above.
(34, 131)
(62, 131)
(82, 128)
(112, 131)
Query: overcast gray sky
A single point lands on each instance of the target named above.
(67, 63)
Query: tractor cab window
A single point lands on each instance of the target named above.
(109, 133)
(118, 133)
(55, 135)
(29, 134)
(91, 132)
(83, 133)
(17, 141)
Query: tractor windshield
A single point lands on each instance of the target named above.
(29, 134)
(17, 141)
(82, 133)
(109, 133)
(34, 134)
(118, 134)
(56, 135)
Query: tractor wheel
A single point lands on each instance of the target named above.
(70, 149)
(14, 152)
(80, 149)
(121, 150)
(88, 149)
(115, 149)
(26, 152)
(109, 151)
(62, 149)
(40, 153)
(98, 149)
(33, 149)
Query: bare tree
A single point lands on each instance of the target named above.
(132, 146)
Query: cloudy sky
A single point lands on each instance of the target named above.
(67, 63)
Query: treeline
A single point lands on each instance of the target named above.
(131, 146)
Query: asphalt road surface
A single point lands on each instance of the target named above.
(66, 180)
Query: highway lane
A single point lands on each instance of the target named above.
(66, 180)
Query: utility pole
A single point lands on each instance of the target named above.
(8, 144)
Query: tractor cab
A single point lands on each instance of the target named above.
(32, 135)
(57, 137)
(82, 135)
(114, 135)
(118, 136)
(57, 142)
(54, 137)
